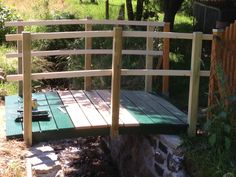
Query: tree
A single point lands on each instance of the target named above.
(139, 10)
(170, 8)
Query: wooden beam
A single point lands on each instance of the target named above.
(166, 62)
(194, 83)
(149, 60)
(27, 97)
(20, 29)
(115, 86)
(88, 57)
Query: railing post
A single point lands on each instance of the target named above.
(115, 85)
(88, 57)
(166, 65)
(194, 82)
(149, 60)
(19, 50)
(27, 95)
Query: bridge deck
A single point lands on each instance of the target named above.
(85, 113)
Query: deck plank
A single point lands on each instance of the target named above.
(169, 107)
(125, 116)
(76, 114)
(150, 108)
(62, 119)
(88, 108)
(103, 108)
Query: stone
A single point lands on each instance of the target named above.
(159, 158)
(159, 170)
(162, 147)
(172, 141)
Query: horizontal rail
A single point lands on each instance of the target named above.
(107, 72)
(65, 74)
(78, 34)
(87, 51)
(83, 22)
(61, 35)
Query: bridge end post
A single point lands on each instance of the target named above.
(115, 85)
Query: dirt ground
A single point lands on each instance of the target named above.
(12, 163)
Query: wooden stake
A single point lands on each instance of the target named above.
(88, 57)
(116, 75)
(149, 60)
(19, 50)
(166, 65)
(27, 95)
(194, 82)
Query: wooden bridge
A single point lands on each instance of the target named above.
(98, 112)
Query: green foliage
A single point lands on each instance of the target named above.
(6, 14)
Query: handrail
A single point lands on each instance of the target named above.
(84, 22)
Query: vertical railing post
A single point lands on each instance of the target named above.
(115, 85)
(19, 50)
(149, 60)
(27, 95)
(88, 57)
(194, 82)
(166, 63)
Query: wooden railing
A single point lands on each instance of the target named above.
(88, 24)
(115, 72)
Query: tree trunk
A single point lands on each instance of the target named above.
(139, 10)
(130, 11)
(170, 8)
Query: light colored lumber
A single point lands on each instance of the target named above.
(76, 114)
(115, 83)
(124, 115)
(83, 21)
(166, 63)
(84, 52)
(27, 95)
(88, 57)
(19, 30)
(149, 60)
(154, 72)
(194, 83)
(93, 116)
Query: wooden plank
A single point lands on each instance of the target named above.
(115, 81)
(84, 52)
(194, 83)
(88, 57)
(166, 63)
(26, 55)
(125, 116)
(76, 114)
(83, 21)
(94, 117)
(149, 60)
(151, 109)
(234, 61)
(101, 106)
(164, 104)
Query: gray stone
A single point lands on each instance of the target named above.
(172, 141)
(159, 158)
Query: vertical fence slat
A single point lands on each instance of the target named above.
(27, 95)
(19, 50)
(149, 60)
(231, 59)
(88, 57)
(234, 61)
(194, 82)
(166, 65)
(116, 76)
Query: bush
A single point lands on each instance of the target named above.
(6, 14)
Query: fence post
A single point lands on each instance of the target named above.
(166, 65)
(149, 60)
(27, 95)
(19, 50)
(88, 57)
(115, 85)
(194, 82)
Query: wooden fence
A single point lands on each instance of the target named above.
(223, 64)
(88, 24)
(25, 38)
